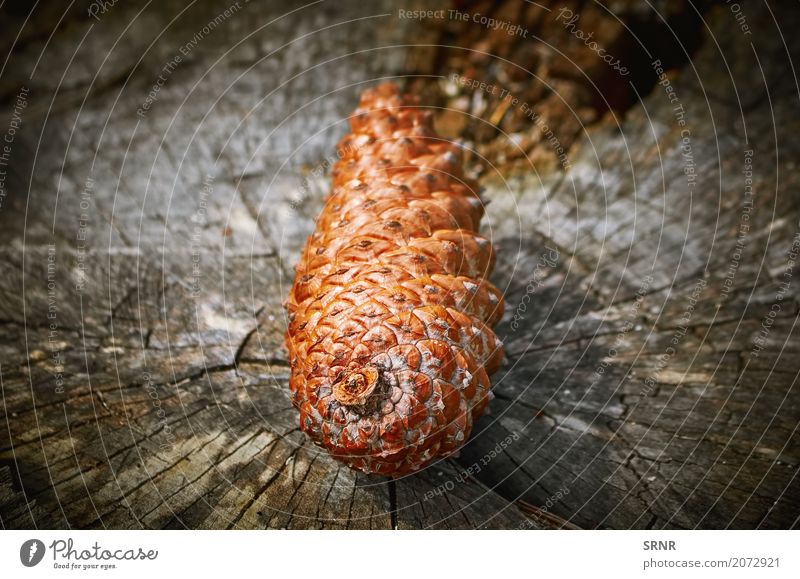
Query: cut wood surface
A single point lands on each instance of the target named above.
(165, 169)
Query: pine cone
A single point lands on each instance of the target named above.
(390, 312)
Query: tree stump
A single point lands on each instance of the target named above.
(165, 167)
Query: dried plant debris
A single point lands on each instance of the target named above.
(519, 82)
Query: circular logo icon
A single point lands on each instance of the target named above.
(31, 552)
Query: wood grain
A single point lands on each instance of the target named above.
(160, 399)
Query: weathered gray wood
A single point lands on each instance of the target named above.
(698, 433)
(174, 408)
(173, 412)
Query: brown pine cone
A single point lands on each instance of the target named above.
(390, 312)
